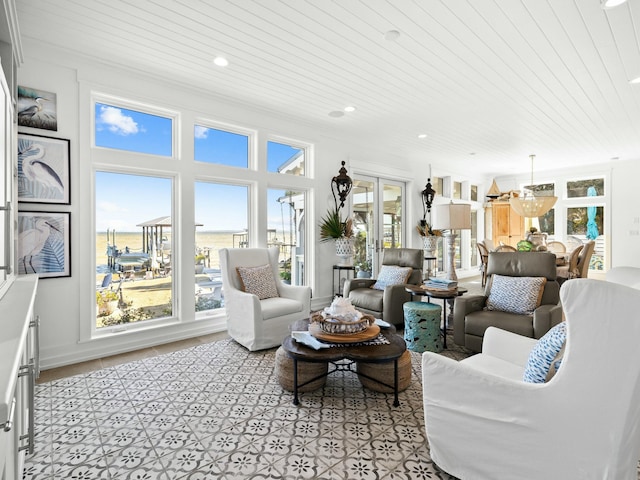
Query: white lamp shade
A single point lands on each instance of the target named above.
(452, 216)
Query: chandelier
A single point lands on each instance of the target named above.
(530, 205)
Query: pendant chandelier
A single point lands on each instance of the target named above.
(530, 205)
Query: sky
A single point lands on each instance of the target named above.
(123, 201)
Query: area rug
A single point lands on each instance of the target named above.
(216, 411)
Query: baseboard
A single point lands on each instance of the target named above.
(127, 342)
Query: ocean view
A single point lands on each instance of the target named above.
(214, 240)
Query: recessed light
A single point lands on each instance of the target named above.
(221, 61)
(635, 81)
(336, 114)
(391, 35)
(611, 3)
(422, 135)
(350, 108)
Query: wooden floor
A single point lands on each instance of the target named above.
(91, 365)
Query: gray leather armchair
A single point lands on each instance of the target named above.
(471, 319)
(387, 304)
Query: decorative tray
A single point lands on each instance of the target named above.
(341, 326)
(369, 334)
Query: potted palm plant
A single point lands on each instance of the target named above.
(332, 227)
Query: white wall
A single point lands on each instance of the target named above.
(625, 214)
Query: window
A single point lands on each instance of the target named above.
(134, 131)
(286, 159)
(542, 190)
(585, 188)
(221, 147)
(545, 223)
(221, 213)
(438, 185)
(286, 230)
(457, 190)
(133, 245)
(474, 193)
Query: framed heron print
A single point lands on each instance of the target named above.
(43, 169)
(44, 244)
(37, 108)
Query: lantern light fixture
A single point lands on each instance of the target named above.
(427, 198)
(341, 186)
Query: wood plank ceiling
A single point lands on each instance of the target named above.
(488, 81)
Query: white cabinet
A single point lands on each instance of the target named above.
(19, 368)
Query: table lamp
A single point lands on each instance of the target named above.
(451, 217)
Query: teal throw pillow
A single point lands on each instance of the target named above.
(544, 354)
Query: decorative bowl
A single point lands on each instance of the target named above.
(340, 326)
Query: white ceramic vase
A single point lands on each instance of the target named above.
(344, 250)
(430, 245)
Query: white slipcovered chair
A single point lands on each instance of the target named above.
(484, 422)
(629, 276)
(254, 323)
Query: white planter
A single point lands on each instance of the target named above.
(344, 250)
(430, 245)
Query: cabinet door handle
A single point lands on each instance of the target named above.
(28, 371)
(7, 238)
(35, 324)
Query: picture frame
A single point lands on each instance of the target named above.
(44, 244)
(44, 165)
(37, 108)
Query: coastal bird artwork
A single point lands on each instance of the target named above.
(43, 169)
(37, 170)
(32, 241)
(37, 109)
(28, 111)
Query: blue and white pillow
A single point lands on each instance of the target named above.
(392, 275)
(521, 295)
(544, 353)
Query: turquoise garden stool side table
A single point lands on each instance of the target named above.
(422, 326)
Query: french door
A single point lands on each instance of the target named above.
(378, 206)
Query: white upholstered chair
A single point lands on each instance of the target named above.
(484, 422)
(254, 323)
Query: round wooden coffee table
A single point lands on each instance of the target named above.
(354, 353)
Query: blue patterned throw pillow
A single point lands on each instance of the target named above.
(544, 353)
(521, 295)
(392, 275)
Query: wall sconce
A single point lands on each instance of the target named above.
(427, 198)
(341, 186)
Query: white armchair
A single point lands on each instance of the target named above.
(484, 422)
(253, 323)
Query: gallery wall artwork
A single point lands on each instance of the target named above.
(37, 109)
(44, 244)
(43, 169)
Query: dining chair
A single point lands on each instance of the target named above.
(570, 269)
(505, 248)
(555, 246)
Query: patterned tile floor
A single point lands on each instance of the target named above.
(216, 411)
